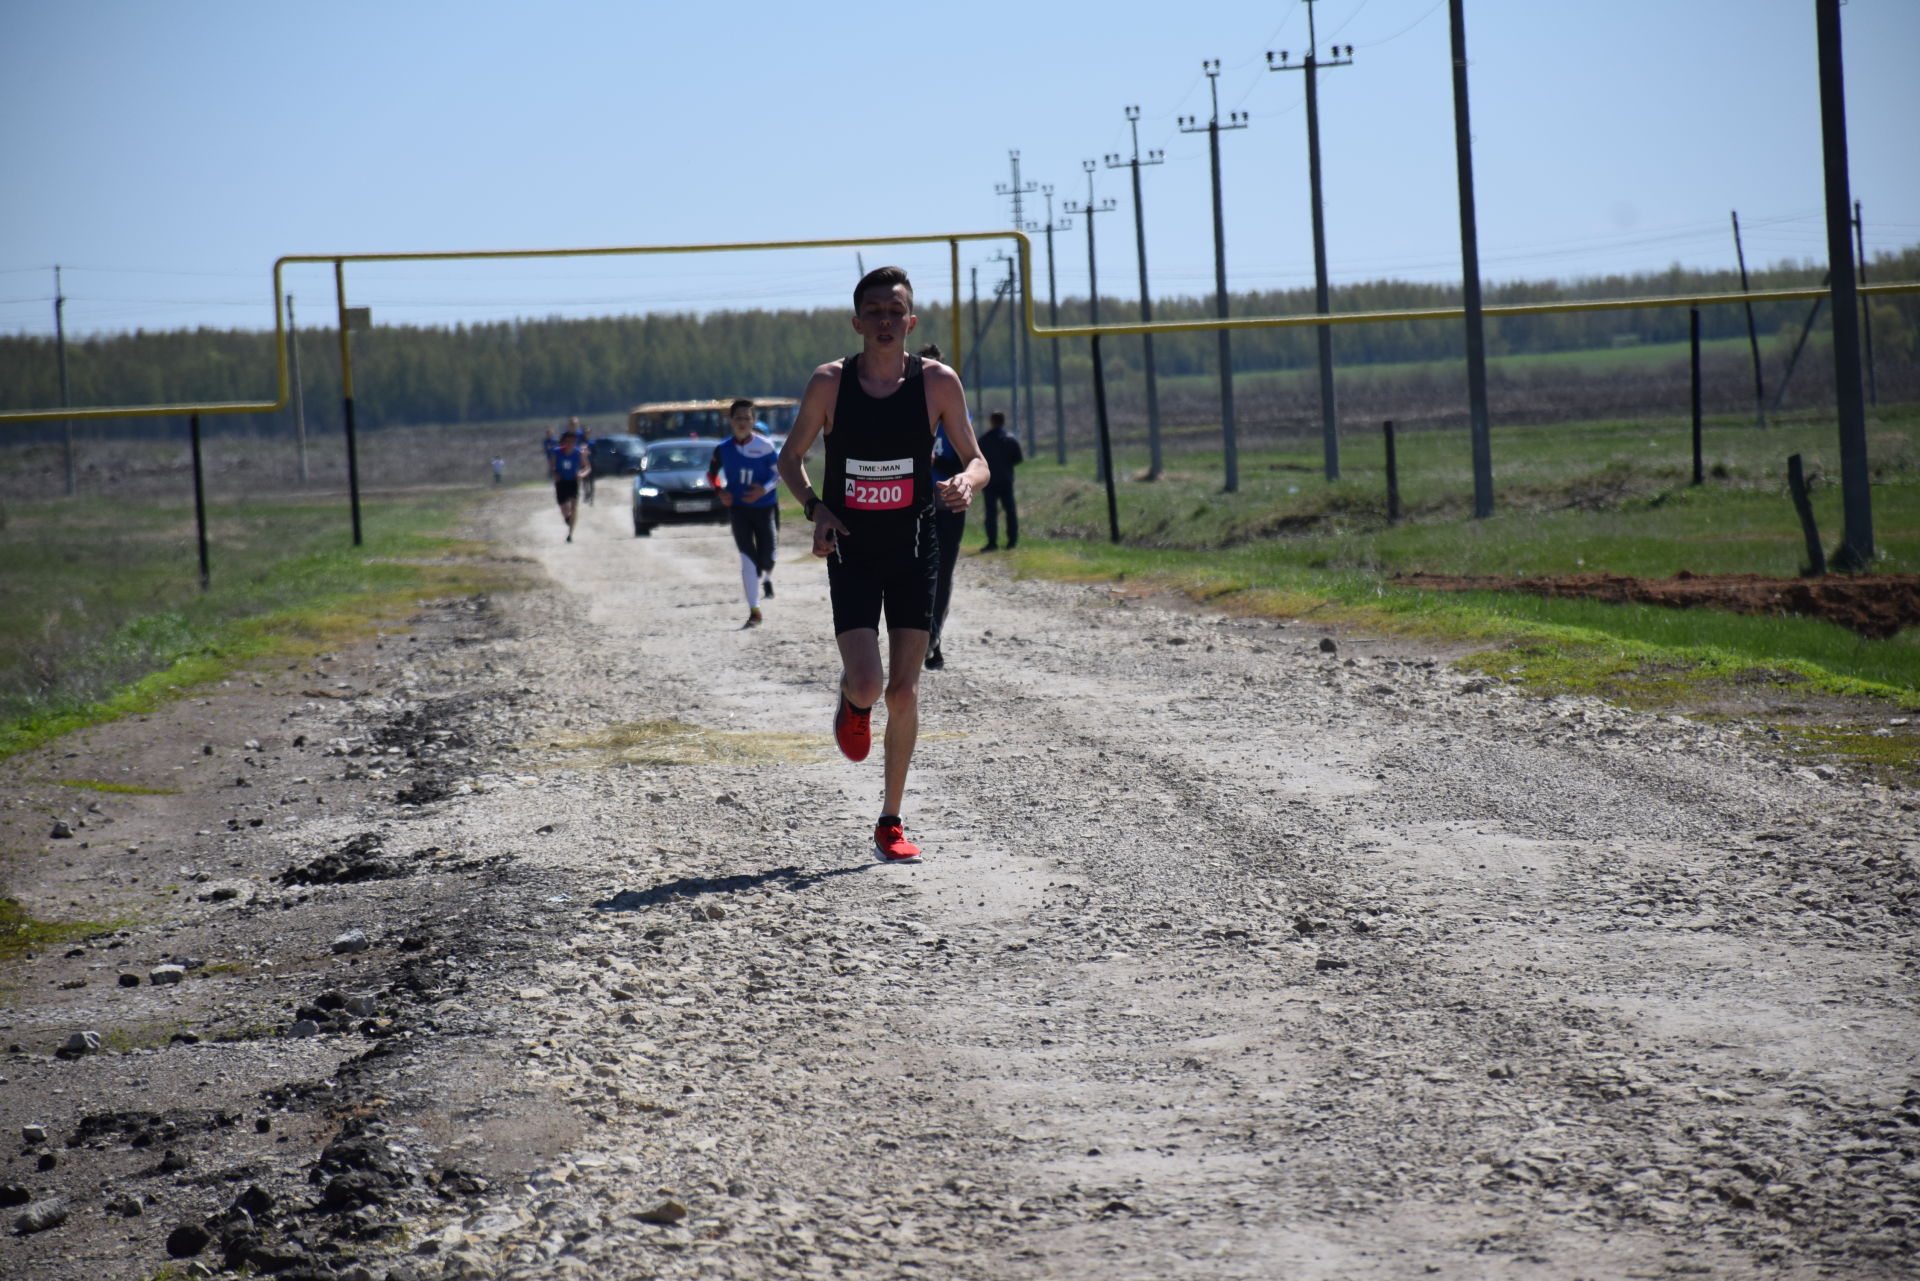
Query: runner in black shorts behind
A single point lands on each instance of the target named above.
(568, 464)
(878, 411)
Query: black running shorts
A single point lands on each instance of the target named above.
(900, 584)
(566, 491)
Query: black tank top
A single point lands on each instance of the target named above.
(879, 478)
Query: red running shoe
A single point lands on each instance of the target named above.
(890, 839)
(852, 729)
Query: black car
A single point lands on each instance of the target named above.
(617, 455)
(672, 485)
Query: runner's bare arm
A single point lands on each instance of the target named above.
(814, 416)
(947, 403)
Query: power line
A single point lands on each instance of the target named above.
(1053, 322)
(1024, 351)
(1087, 210)
(1329, 419)
(1213, 128)
(1146, 297)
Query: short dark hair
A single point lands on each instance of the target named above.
(997, 418)
(881, 278)
(932, 351)
(738, 405)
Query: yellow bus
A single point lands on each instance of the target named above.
(668, 419)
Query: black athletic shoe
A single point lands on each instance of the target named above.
(766, 587)
(935, 659)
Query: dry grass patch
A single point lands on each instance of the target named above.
(671, 742)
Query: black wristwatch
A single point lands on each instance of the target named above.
(809, 505)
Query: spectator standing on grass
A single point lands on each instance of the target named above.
(744, 472)
(948, 526)
(499, 470)
(568, 466)
(1002, 451)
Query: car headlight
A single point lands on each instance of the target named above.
(647, 491)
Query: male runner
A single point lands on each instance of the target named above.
(878, 411)
(744, 472)
(567, 465)
(584, 439)
(950, 527)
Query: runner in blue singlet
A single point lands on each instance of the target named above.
(745, 472)
(584, 439)
(567, 464)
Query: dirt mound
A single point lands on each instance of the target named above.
(1875, 605)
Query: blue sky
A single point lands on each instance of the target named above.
(166, 154)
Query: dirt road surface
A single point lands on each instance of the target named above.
(1232, 956)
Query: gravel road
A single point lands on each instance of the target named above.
(1239, 950)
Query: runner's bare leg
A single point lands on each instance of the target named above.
(906, 655)
(860, 678)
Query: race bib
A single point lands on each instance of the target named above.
(878, 485)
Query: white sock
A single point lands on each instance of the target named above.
(750, 579)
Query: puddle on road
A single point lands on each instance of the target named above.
(678, 743)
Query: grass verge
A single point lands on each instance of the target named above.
(110, 621)
(20, 932)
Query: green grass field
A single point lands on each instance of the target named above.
(105, 612)
(1568, 499)
(1627, 359)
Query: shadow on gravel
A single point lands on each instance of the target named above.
(792, 878)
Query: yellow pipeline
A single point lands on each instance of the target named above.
(338, 262)
(1025, 247)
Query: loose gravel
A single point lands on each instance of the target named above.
(1234, 954)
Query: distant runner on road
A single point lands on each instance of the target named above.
(567, 465)
(878, 411)
(585, 440)
(745, 473)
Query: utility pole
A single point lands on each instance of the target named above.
(973, 274)
(1753, 334)
(299, 393)
(1146, 298)
(1087, 211)
(1856, 494)
(1053, 321)
(60, 355)
(1010, 290)
(346, 395)
(1866, 308)
(1017, 189)
(1329, 417)
(1470, 272)
(1188, 124)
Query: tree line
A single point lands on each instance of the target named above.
(408, 374)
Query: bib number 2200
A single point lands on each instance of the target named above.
(879, 486)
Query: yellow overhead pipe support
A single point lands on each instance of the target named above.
(338, 261)
(953, 239)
